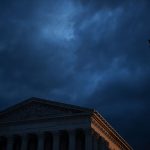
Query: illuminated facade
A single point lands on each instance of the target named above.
(37, 124)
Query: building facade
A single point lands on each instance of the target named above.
(37, 124)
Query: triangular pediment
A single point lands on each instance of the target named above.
(36, 108)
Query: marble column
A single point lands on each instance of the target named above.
(95, 140)
(56, 138)
(41, 139)
(24, 142)
(10, 141)
(88, 140)
(72, 138)
(103, 144)
(106, 145)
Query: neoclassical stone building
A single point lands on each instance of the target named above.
(37, 124)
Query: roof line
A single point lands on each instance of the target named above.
(46, 101)
(114, 132)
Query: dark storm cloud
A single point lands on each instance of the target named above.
(124, 101)
(32, 62)
(118, 34)
(90, 52)
(96, 5)
(116, 50)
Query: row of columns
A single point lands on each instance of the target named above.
(76, 139)
(99, 143)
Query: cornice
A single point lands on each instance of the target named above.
(107, 130)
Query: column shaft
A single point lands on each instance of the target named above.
(103, 144)
(10, 141)
(41, 141)
(56, 140)
(72, 139)
(88, 140)
(24, 142)
(95, 143)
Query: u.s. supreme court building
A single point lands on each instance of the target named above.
(37, 124)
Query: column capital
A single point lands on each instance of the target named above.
(95, 134)
(55, 132)
(40, 134)
(24, 135)
(73, 131)
(10, 136)
(87, 130)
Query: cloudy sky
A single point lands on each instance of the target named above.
(92, 53)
